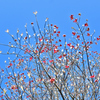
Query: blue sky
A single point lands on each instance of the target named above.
(14, 14)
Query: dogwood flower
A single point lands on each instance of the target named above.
(4, 90)
(52, 80)
(7, 31)
(35, 12)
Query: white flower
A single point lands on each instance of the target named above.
(26, 32)
(17, 31)
(54, 29)
(34, 34)
(29, 74)
(83, 25)
(78, 44)
(12, 46)
(64, 58)
(76, 47)
(26, 25)
(29, 36)
(62, 50)
(4, 90)
(63, 70)
(38, 34)
(88, 86)
(15, 74)
(21, 79)
(8, 57)
(0, 51)
(35, 12)
(33, 89)
(63, 64)
(22, 34)
(71, 84)
(46, 19)
(70, 47)
(99, 75)
(61, 74)
(21, 87)
(7, 31)
(65, 43)
(78, 77)
(5, 61)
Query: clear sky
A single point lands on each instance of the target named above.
(14, 14)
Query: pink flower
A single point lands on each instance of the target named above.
(88, 34)
(55, 26)
(57, 35)
(73, 33)
(79, 14)
(92, 76)
(51, 24)
(52, 80)
(60, 57)
(13, 87)
(60, 45)
(28, 96)
(91, 42)
(22, 74)
(78, 36)
(64, 55)
(32, 23)
(25, 38)
(31, 58)
(1, 96)
(44, 61)
(75, 21)
(86, 24)
(88, 29)
(59, 40)
(58, 31)
(96, 80)
(11, 64)
(51, 60)
(98, 38)
(55, 51)
(66, 66)
(40, 40)
(55, 31)
(69, 44)
(42, 51)
(71, 17)
(64, 35)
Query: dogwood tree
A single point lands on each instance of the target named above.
(45, 69)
